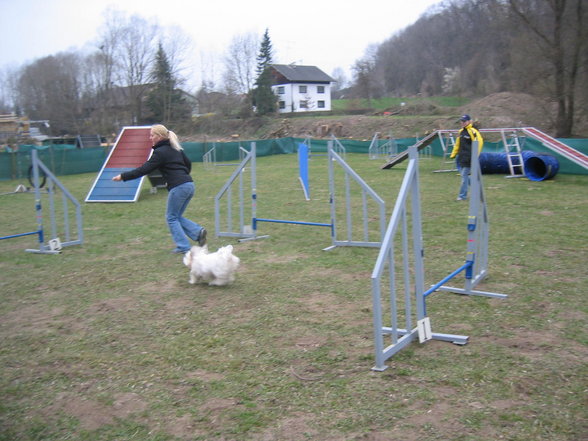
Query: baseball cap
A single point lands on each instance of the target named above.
(465, 118)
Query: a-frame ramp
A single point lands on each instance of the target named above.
(131, 149)
(404, 155)
(557, 146)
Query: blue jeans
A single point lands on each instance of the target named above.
(465, 182)
(181, 228)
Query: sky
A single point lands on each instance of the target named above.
(328, 34)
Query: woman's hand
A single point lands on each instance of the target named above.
(117, 178)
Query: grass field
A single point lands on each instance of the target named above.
(380, 104)
(108, 341)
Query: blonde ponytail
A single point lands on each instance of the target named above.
(173, 140)
(161, 130)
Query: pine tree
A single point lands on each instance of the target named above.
(263, 97)
(165, 100)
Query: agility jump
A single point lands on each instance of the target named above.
(54, 244)
(408, 302)
(232, 217)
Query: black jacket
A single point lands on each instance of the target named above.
(174, 165)
(463, 145)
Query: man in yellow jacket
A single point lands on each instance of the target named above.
(463, 150)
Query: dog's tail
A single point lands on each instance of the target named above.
(188, 259)
(226, 250)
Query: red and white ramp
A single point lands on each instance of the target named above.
(557, 146)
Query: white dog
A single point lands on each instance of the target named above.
(215, 268)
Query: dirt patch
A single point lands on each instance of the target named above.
(92, 414)
(499, 110)
(292, 428)
(512, 110)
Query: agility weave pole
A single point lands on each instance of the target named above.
(229, 227)
(406, 302)
(54, 244)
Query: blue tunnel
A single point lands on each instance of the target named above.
(537, 166)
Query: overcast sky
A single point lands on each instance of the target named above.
(325, 33)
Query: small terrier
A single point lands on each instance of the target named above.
(215, 268)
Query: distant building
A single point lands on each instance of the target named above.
(16, 128)
(301, 88)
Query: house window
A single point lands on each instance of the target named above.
(303, 104)
(282, 104)
(320, 104)
(320, 89)
(281, 90)
(302, 89)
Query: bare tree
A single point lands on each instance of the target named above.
(128, 46)
(177, 44)
(364, 71)
(136, 54)
(340, 79)
(8, 90)
(560, 28)
(50, 88)
(240, 63)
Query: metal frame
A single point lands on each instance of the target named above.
(366, 194)
(243, 232)
(387, 150)
(209, 158)
(53, 245)
(410, 303)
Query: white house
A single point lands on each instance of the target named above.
(301, 88)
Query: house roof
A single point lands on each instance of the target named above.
(300, 74)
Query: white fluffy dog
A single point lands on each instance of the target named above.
(215, 268)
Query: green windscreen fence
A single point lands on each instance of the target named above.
(66, 159)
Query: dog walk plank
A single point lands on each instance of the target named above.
(404, 155)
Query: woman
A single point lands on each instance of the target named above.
(169, 158)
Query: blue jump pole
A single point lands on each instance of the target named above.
(438, 285)
(279, 221)
(40, 233)
(466, 266)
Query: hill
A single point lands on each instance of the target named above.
(503, 109)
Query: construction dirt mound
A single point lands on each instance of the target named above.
(499, 110)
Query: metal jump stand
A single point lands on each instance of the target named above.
(54, 244)
(343, 232)
(407, 294)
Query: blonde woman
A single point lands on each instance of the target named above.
(169, 158)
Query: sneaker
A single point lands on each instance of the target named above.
(179, 251)
(460, 199)
(202, 238)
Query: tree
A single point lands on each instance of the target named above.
(128, 46)
(264, 99)
(239, 61)
(366, 81)
(50, 88)
(340, 80)
(165, 100)
(560, 28)
(8, 95)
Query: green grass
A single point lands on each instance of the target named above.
(108, 341)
